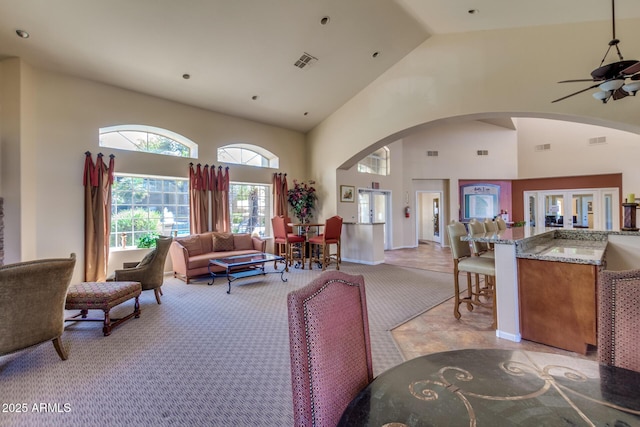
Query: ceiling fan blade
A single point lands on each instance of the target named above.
(575, 93)
(577, 81)
(619, 94)
(632, 69)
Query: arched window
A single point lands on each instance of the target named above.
(148, 139)
(376, 162)
(248, 154)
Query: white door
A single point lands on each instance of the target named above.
(428, 216)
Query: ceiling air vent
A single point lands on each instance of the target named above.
(304, 60)
(432, 154)
(598, 140)
(543, 147)
(483, 152)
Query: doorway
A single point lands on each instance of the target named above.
(429, 216)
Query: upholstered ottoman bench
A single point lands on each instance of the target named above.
(103, 296)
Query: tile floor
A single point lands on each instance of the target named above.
(437, 329)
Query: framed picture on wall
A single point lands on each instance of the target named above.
(479, 201)
(347, 193)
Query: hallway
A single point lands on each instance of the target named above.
(437, 329)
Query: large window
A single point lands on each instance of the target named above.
(247, 154)
(376, 162)
(148, 139)
(147, 206)
(250, 208)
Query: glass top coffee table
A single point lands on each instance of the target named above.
(241, 266)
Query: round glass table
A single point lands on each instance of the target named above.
(498, 388)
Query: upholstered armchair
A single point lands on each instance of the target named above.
(619, 319)
(150, 271)
(330, 347)
(32, 296)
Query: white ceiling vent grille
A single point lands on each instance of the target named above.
(483, 152)
(432, 154)
(598, 140)
(304, 60)
(543, 147)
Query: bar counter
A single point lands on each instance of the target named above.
(571, 247)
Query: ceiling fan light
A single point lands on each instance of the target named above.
(611, 85)
(602, 95)
(631, 88)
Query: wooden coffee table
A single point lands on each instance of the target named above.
(241, 266)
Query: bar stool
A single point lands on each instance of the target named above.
(502, 225)
(285, 243)
(330, 236)
(465, 263)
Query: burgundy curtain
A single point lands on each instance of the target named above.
(219, 184)
(97, 181)
(198, 199)
(280, 190)
(209, 199)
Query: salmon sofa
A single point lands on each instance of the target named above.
(190, 255)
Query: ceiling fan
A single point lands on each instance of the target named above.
(611, 79)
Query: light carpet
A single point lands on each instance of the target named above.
(202, 358)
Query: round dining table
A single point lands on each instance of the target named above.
(492, 387)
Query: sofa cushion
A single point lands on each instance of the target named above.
(222, 242)
(192, 244)
(242, 242)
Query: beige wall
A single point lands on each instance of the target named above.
(59, 117)
(474, 75)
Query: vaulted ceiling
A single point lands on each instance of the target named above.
(239, 57)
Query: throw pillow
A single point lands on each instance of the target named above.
(192, 244)
(242, 242)
(222, 242)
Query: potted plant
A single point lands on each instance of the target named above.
(302, 198)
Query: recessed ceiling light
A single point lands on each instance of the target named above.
(472, 11)
(375, 54)
(325, 20)
(254, 97)
(22, 34)
(306, 113)
(186, 76)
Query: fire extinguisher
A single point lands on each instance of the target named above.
(407, 212)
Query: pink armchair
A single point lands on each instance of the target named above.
(330, 347)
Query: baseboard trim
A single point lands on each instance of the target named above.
(508, 336)
(359, 261)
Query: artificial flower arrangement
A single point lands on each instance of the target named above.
(302, 198)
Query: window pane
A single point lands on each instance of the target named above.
(148, 139)
(249, 205)
(148, 205)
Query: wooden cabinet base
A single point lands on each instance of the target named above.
(558, 303)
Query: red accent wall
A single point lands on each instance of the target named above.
(512, 192)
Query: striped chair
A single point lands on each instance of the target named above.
(330, 347)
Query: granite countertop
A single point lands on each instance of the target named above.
(549, 244)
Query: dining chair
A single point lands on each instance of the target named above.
(320, 245)
(464, 262)
(619, 319)
(288, 245)
(330, 347)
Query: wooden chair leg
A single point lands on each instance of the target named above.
(59, 348)
(456, 289)
(469, 292)
(158, 292)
